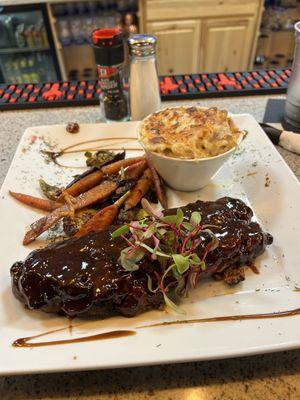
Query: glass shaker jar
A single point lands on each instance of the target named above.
(144, 93)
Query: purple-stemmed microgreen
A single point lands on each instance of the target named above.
(177, 244)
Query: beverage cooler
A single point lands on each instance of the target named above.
(27, 52)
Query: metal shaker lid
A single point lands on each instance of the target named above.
(142, 45)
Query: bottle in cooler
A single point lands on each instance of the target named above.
(10, 25)
(19, 36)
(4, 36)
(37, 37)
(44, 35)
(28, 33)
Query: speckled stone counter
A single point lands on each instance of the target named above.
(271, 376)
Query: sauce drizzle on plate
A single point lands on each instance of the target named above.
(279, 314)
(26, 342)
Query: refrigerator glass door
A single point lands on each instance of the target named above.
(27, 52)
(27, 67)
(23, 31)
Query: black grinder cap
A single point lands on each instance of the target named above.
(108, 45)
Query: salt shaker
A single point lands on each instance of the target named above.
(144, 93)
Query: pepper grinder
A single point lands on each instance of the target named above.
(144, 93)
(292, 105)
(108, 45)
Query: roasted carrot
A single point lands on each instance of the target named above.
(97, 193)
(35, 202)
(94, 178)
(84, 184)
(103, 218)
(140, 189)
(159, 189)
(134, 171)
(100, 221)
(113, 168)
(117, 157)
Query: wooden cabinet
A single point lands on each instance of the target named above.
(178, 45)
(202, 35)
(276, 48)
(225, 44)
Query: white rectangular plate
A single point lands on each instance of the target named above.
(256, 174)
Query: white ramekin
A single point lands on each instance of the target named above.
(188, 174)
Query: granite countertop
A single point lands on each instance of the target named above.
(270, 376)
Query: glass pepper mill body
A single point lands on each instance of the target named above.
(108, 45)
(292, 104)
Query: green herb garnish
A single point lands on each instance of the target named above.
(98, 158)
(180, 246)
(50, 191)
(120, 231)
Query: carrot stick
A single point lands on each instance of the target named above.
(103, 218)
(35, 202)
(140, 189)
(84, 184)
(134, 171)
(100, 221)
(97, 193)
(113, 168)
(160, 192)
(94, 178)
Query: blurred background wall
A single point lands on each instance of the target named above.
(46, 41)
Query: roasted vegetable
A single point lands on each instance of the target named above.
(86, 182)
(159, 189)
(103, 218)
(72, 225)
(101, 158)
(96, 177)
(52, 192)
(128, 215)
(35, 202)
(124, 187)
(115, 167)
(135, 171)
(88, 179)
(140, 189)
(78, 177)
(97, 193)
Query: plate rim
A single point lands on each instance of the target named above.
(293, 344)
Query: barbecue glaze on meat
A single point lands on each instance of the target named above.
(83, 276)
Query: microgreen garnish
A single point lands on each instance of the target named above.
(120, 231)
(178, 246)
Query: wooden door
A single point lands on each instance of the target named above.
(227, 44)
(178, 44)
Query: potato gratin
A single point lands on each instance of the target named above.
(189, 132)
